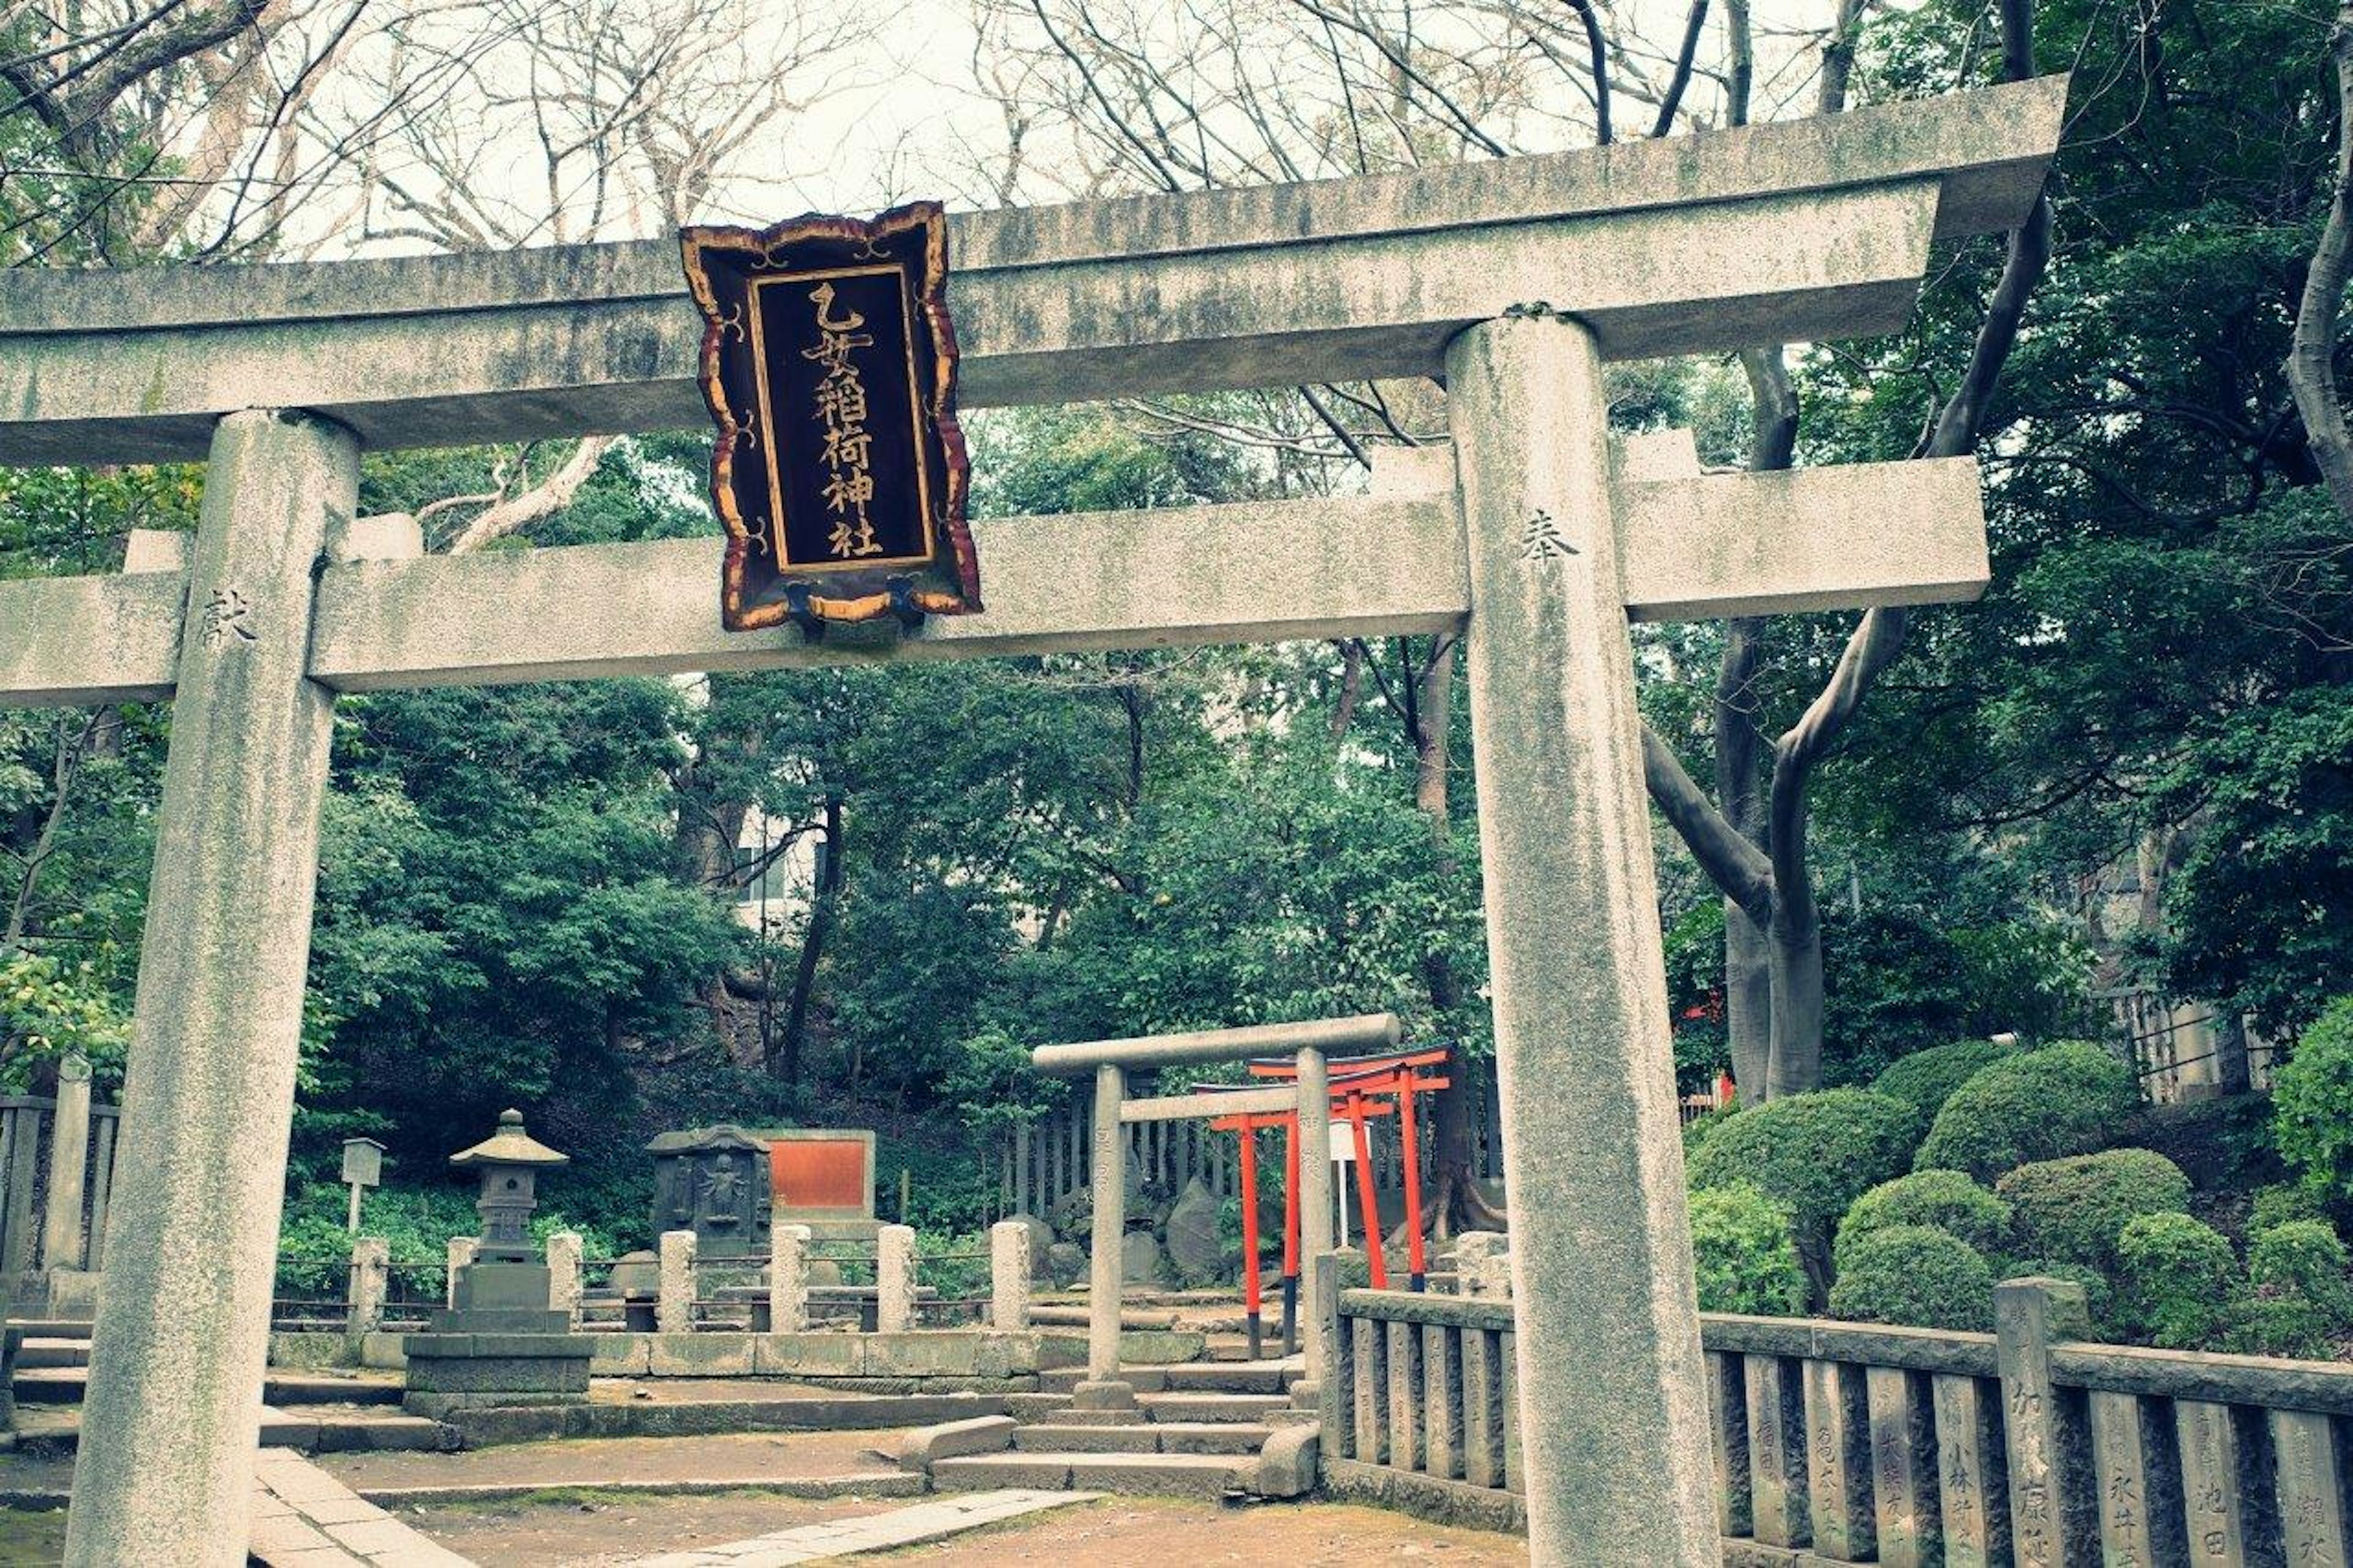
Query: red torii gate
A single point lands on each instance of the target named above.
(1358, 1092)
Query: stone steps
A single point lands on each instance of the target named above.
(67, 1386)
(54, 1431)
(50, 1351)
(1189, 1377)
(1142, 1437)
(1247, 1408)
(1153, 1475)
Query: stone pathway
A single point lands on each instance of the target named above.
(304, 1517)
(873, 1532)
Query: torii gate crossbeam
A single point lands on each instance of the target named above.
(1513, 280)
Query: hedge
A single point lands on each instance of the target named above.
(1812, 1154)
(2305, 1258)
(1945, 1199)
(1916, 1275)
(2312, 1099)
(1746, 1259)
(1926, 1079)
(2176, 1280)
(2076, 1209)
(2065, 1099)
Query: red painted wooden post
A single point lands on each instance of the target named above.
(1416, 1260)
(1365, 1198)
(1250, 1231)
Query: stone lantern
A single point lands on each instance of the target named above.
(510, 1161)
(501, 1342)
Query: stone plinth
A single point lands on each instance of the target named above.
(501, 1346)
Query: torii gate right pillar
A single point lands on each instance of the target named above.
(1613, 1432)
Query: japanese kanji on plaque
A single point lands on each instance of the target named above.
(828, 363)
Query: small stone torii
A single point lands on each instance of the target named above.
(281, 375)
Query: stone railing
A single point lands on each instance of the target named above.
(1851, 1443)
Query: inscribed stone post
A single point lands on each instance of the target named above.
(674, 1300)
(1315, 1118)
(2049, 1527)
(371, 1269)
(894, 1278)
(1618, 1471)
(1110, 1233)
(457, 1258)
(563, 1284)
(1009, 1276)
(61, 1231)
(182, 1326)
(788, 1278)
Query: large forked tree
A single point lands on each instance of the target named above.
(1750, 836)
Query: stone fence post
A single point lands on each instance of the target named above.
(2049, 1529)
(565, 1248)
(460, 1257)
(370, 1273)
(1482, 1265)
(894, 1278)
(1009, 1276)
(61, 1229)
(788, 1278)
(674, 1307)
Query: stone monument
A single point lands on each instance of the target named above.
(712, 1181)
(501, 1342)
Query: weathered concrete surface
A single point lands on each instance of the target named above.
(1611, 1383)
(166, 1472)
(1273, 285)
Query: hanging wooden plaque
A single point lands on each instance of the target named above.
(829, 362)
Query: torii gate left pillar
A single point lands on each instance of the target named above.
(219, 1024)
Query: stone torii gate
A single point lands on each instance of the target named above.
(1514, 280)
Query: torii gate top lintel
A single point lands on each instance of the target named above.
(1813, 229)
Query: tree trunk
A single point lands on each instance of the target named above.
(1795, 944)
(1747, 1002)
(824, 897)
(2232, 1073)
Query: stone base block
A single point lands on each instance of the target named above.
(1105, 1394)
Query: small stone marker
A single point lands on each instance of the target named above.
(1009, 1276)
(788, 1278)
(894, 1278)
(565, 1248)
(674, 1306)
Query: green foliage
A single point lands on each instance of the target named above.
(1926, 1078)
(2075, 1209)
(2313, 1094)
(2175, 1278)
(49, 1010)
(1916, 1275)
(2285, 1202)
(2062, 1100)
(1813, 1153)
(2304, 1259)
(1747, 1261)
(1946, 1200)
(416, 1223)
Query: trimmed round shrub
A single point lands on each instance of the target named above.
(2066, 1099)
(2311, 1100)
(2284, 1205)
(2074, 1209)
(1700, 1129)
(2305, 1258)
(1917, 1275)
(1747, 1261)
(1926, 1079)
(2175, 1278)
(2264, 1324)
(1812, 1154)
(1945, 1199)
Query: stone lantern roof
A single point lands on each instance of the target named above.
(510, 1145)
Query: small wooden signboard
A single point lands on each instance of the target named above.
(828, 363)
